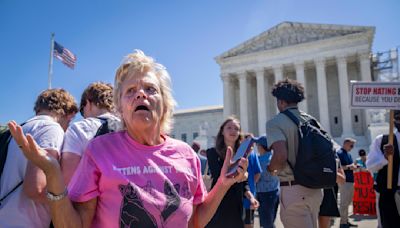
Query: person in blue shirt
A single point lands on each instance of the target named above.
(267, 187)
(361, 161)
(254, 173)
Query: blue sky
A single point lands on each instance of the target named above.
(185, 36)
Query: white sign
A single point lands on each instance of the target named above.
(382, 95)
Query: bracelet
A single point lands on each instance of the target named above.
(53, 197)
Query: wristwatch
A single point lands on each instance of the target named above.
(271, 171)
(53, 197)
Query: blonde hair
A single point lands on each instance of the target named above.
(137, 63)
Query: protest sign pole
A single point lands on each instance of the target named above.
(390, 157)
(51, 59)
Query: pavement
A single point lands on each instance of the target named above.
(360, 220)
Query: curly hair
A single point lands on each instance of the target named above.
(220, 145)
(100, 94)
(58, 101)
(137, 63)
(288, 90)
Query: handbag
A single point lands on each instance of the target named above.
(207, 179)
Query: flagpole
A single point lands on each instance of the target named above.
(51, 59)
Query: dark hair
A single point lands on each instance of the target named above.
(288, 90)
(220, 145)
(100, 94)
(58, 101)
(362, 152)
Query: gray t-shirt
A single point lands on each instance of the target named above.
(281, 128)
(17, 210)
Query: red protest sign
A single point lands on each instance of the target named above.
(364, 201)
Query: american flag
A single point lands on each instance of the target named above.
(65, 55)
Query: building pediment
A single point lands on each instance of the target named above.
(292, 33)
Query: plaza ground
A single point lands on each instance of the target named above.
(361, 221)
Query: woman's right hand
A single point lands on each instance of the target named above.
(31, 150)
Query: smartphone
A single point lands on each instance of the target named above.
(242, 152)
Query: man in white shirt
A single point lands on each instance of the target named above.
(22, 184)
(377, 162)
(96, 107)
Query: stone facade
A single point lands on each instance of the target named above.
(200, 125)
(324, 58)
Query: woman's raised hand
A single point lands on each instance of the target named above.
(31, 150)
(241, 174)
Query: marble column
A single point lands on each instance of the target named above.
(365, 66)
(228, 95)
(344, 96)
(261, 101)
(365, 69)
(244, 118)
(300, 77)
(278, 74)
(322, 92)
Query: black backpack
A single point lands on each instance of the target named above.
(103, 129)
(315, 161)
(5, 138)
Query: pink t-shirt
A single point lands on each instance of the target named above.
(138, 185)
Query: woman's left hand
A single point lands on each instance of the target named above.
(241, 174)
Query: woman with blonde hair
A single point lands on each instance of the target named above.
(137, 177)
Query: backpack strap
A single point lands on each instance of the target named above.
(295, 121)
(103, 129)
(292, 117)
(12, 190)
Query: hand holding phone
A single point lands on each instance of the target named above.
(242, 152)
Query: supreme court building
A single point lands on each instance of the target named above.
(323, 57)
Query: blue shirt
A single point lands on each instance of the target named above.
(345, 159)
(267, 182)
(253, 169)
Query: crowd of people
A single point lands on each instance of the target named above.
(118, 166)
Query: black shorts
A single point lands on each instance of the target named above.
(248, 216)
(329, 206)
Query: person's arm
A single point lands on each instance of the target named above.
(375, 158)
(69, 163)
(62, 211)
(279, 157)
(257, 177)
(340, 176)
(203, 212)
(253, 201)
(34, 185)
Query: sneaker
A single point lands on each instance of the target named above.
(351, 225)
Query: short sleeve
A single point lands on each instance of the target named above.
(257, 165)
(84, 187)
(201, 191)
(50, 137)
(78, 135)
(274, 132)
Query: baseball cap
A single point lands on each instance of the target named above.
(262, 140)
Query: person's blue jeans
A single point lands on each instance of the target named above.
(269, 202)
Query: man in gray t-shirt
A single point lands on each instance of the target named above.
(299, 204)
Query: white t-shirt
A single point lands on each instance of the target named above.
(17, 210)
(375, 159)
(79, 133)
